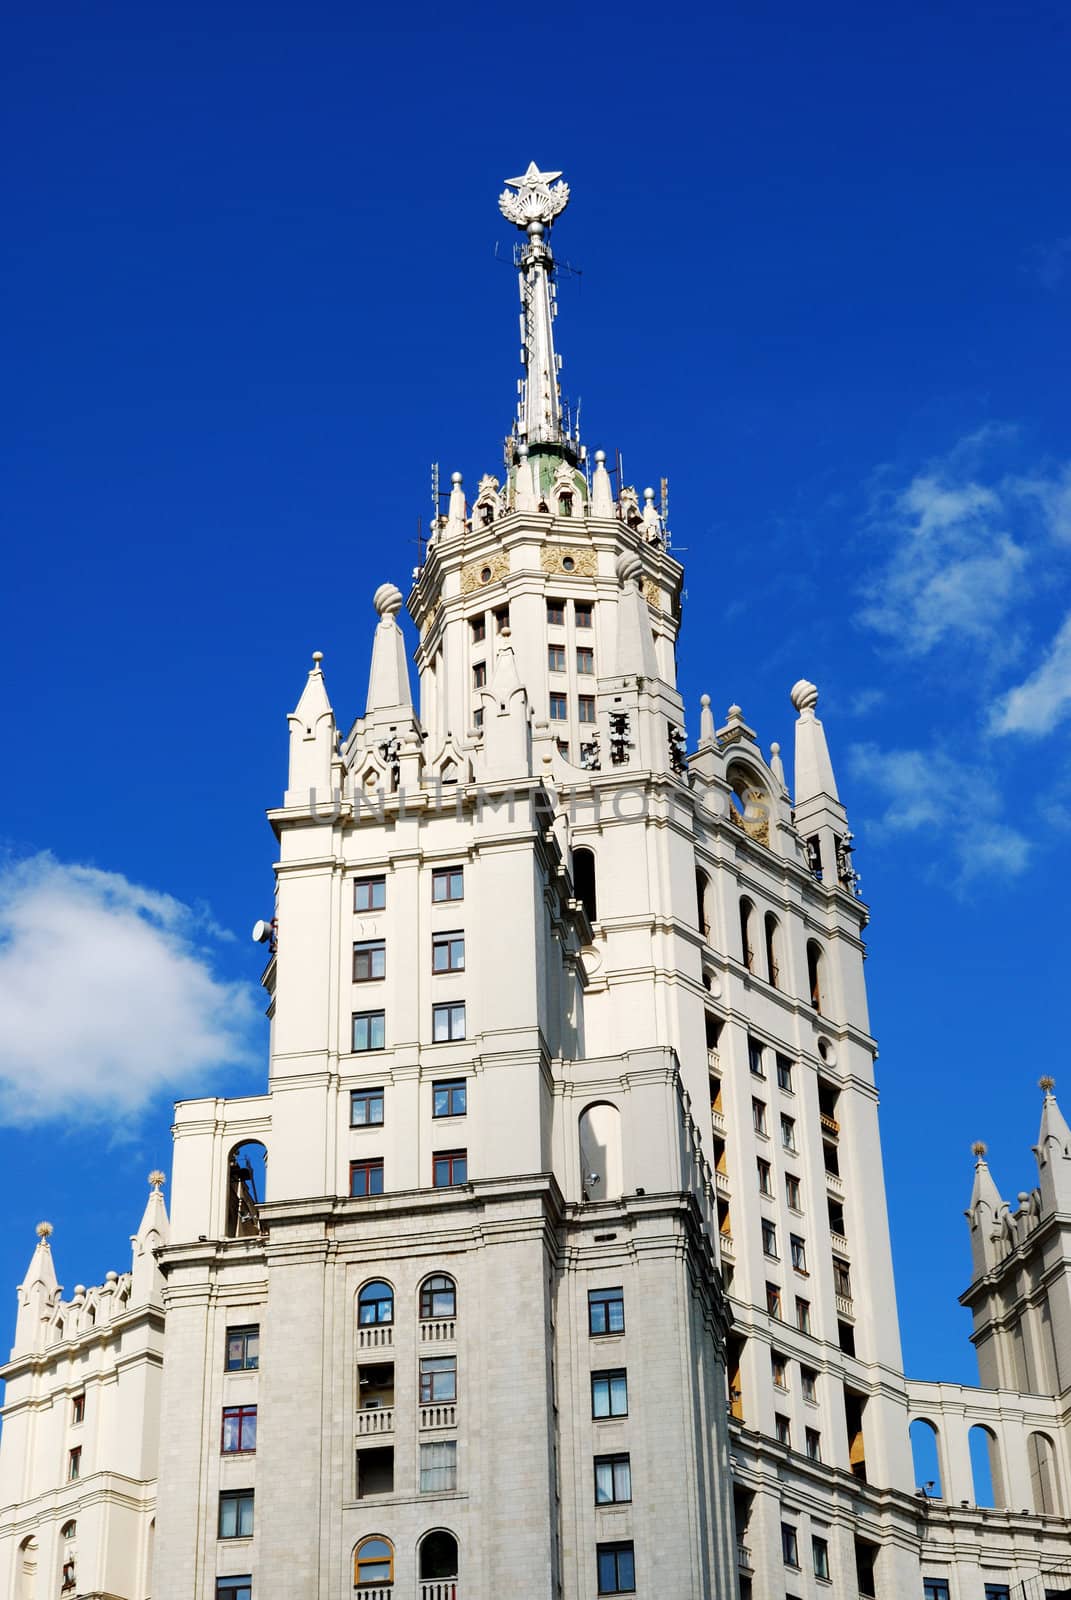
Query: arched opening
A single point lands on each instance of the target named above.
(985, 1467)
(750, 802)
(438, 1297)
(772, 931)
(815, 973)
(601, 1175)
(926, 1457)
(438, 1560)
(584, 881)
(373, 1562)
(375, 1304)
(246, 1188)
(1043, 1480)
(26, 1564)
(702, 902)
(747, 930)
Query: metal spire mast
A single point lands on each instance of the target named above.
(539, 198)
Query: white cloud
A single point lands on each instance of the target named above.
(105, 997)
(1044, 698)
(928, 793)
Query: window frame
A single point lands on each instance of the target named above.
(790, 1548)
(609, 1376)
(74, 1463)
(377, 1321)
(449, 1445)
(622, 1554)
(773, 1300)
(478, 628)
(245, 1331)
(372, 882)
(784, 1073)
(783, 1429)
(803, 1314)
(797, 1246)
(607, 1298)
(369, 1018)
(434, 1369)
(583, 614)
(447, 941)
(78, 1408)
(769, 1239)
(479, 675)
(559, 706)
(234, 1587)
(451, 1087)
(758, 1117)
(430, 1288)
(585, 653)
(242, 1415)
(619, 1460)
(457, 1167)
(812, 1444)
(788, 1133)
(373, 1096)
(809, 1384)
(447, 879)
(236, 1498)
(372, 1167)
(448, 1011)
(370, 948)
(756, 1057)
(585, 710)
(554, 619)
(377, 1561)
(556, 658)
(820, 1563)
(765, 1172)
(793, 1192)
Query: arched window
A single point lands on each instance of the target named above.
(373, 1562)
(1043, 1480)
(601, 1176)
(438, 1559)
(702, 902)
(815, 964)
(773, 940)
(68, 1530)
(438, 1297)
(926, 1458)
(584, 881)
(375, 1303)
(246, 1168)
(26, 1569)
(985, 1466)
(747, 943)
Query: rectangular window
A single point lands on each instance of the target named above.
(842, 1277)
(754, 1058)
(239, 1430)
(758, 1116)
(779, 1369)
(784, 1073)
(369, 1030)
(236, 1514)
(556, 613)
(556, 658)
(613, 1480)
(448, 883)
(366, 1179)
(820, 1550)
(585, 660)
(809, 1381)
(935, 1589)
(449, 1098)
(789, 1548)
(792, 1191)
(477, 717)
(559, 707)
(813, 1443)
(78, 1409)
(369, 960)
(769, 1239)
(74, 1463)
(448, 1022)
(586, 708)
(609, 1394)
(773, 1300)
(582, 614)
(438, 1467)
(479, 629)
(366, 1108)
(234, 1588)
(803, 1315)
(782, 1429)
(448, 1168)
(799, 1252)
(563, 748)
(501, 616)
(606, 1311)
(369, 894)
(788, 1133)
(375, 1471)
(616, 1568)
(243, 1349)
(438, 1379)
(479, 675)
(764, 1176)
(997, 1591)
(448, 952)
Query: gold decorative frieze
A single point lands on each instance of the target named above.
(432, 612)
(478, 574)
(652, 593)
(571, 562)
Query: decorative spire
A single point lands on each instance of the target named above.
(455, 516)
(538, 200)
(389, 697)
(37, 1294)
(602, 494)
(153, 1233)
(312, 738)
(706, 721)
(635, 645)
(814, 770)
(777, 766)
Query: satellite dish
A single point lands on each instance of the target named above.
(261, 932)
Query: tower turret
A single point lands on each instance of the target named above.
(312, 739)
(820, 818)
(1053, 1153)
(38, 1293)
(984, 1214)
(539, 198)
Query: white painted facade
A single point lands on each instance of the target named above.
(569, 1056)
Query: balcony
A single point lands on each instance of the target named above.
(377, 1591)
(377, 1336)
(844, 1305)
(835, 1184)
(839, 1243)
(743, 1558)
(437, 1589)
(830, 1126)
(728, 1248)
(374, 1420)
(437, 1330)
(717, 1121)
(713, 1060)
(721, 1182)
(443, 1415)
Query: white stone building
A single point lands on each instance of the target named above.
(554, 1259)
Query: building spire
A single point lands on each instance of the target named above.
(539, 198)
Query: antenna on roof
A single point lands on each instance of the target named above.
(435, 486)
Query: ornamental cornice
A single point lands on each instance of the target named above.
(569, 560)
(478, 574)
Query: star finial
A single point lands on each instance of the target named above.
(539, 198)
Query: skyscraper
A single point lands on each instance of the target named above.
(554, 1259)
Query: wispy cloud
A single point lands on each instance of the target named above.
(931, 796)
(107, 997)
(1042, 700)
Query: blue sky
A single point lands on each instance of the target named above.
(252, 293)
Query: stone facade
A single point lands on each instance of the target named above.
(554, 1259)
